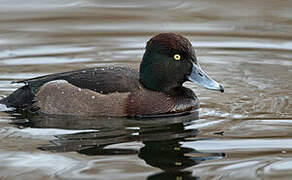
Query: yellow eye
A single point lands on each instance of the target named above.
(176, 57)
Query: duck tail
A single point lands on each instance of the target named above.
(21, 98)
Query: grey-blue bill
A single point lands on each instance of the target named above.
(201, 78)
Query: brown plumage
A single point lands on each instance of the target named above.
(156, 90)
(61, 97)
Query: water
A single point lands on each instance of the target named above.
(245, 133)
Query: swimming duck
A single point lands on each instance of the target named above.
(169, 60)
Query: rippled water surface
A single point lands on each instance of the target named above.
(245, 133)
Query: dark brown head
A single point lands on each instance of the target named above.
(169, 61)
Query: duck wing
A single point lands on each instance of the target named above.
(104, 80)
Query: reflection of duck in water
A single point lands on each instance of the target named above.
(170, 156)
(177, 175)
(165, 151)
(162, 141)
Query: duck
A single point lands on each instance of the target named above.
(155, 90)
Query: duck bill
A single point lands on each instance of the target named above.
(201, 78)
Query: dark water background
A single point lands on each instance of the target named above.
(245, 133)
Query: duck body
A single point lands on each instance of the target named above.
(155, 90)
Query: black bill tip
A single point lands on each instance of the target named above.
(221, 88)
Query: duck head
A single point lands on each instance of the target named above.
(169, 61)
